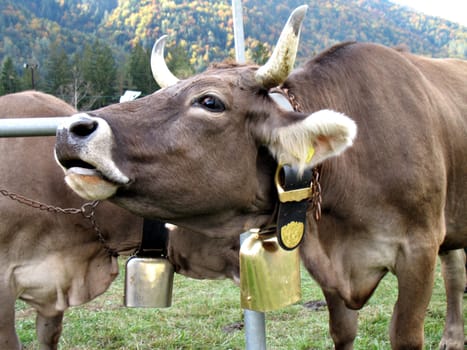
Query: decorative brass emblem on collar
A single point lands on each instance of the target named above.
(292, 234)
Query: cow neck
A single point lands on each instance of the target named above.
(87, 211)
(295, 191)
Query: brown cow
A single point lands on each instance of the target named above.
(53, 261)
(202, 154)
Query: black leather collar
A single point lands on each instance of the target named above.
(294, 192)
(154, 241)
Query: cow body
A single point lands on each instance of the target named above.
(391, 202)
(399, 195)
(50, 260)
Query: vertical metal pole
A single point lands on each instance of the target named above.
(31, 66)
(32, 78)
(239, 37)
(255, 322)
(255, 330)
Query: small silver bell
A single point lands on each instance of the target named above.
(149, 274)
(148, 282)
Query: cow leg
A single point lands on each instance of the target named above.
(48, 330)
(415, 272)
(8, 338)
(343, 322)
(453, 269)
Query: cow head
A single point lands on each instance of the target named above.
(201, 152)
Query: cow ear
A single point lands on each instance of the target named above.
(311, 140)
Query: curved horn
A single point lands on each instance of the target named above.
(280, 64)
(161, 73)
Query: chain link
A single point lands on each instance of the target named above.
(87, 210)
(316, 197)
(293, 100)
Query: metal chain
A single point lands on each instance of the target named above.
(293, 100)
(87, 210)
(316, 197)
(38, 205)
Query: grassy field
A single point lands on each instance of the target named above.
(207, 315)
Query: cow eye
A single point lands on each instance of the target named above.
(210, 103)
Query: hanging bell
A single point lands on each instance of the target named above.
(269, 275)
(149, 274)
(148, 282)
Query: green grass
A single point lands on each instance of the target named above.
(204, 315)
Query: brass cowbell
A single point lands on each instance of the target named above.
(269, 275)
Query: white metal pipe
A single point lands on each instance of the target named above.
(19, 127)
(254, 321)
(239, 37)
(255, 330)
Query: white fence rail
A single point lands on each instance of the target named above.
(19, 127)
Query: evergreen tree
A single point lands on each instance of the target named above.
(139, 71)
(99, 70)
(77, 91)
(9, 80)
(58, 70)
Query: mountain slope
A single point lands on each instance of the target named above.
(207, 28)
(204, 28)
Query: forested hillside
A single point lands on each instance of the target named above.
(205, 27)
(200, 31)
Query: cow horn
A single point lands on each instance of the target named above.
(161, 73)
(280, 64)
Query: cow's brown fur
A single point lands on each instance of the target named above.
(390, 203)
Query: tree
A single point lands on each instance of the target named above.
(9, 80)
(139, 71)
(58, 70)
(259, 53)
(99, 70)
(78, 92)
(179, 62)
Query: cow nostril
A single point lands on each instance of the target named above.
(83, 127)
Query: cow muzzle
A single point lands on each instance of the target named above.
(84, 151)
